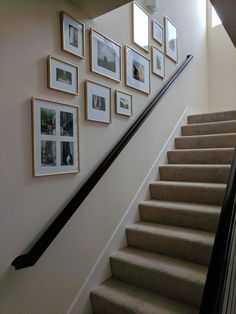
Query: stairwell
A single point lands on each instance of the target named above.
(163, 269)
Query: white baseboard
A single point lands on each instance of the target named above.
(101, 269)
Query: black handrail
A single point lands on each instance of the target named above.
(30, 258)
(214, 291)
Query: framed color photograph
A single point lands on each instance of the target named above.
(63, 76)
(105, 56)
(137, 70)
(123, 103)
(140, 26)
(157, 32)
(55, 137)
(73, 35)
(98, 102)
(171, 40)
(158, 62)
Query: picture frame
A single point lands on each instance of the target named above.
(140, 29)
(158, 62)
(171, 40)
(55, 128)
(137, 70)
(105, 56)
(123, 103)
(98, 102)
(72, 35)
(157, 32)
(63, 76)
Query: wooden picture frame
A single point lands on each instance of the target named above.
(55, 128)
(105, 56)
(123, 102)
(98, 102)
(171, 40)
(63, 76)
(137, 70)
(72, 35)
(157, 32)
(140, 26)
(158, 62)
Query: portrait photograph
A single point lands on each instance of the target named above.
(55, 137)
(123, 103)
(72, 35)
(98, 102)
(105, 56)
(158, 62)
(157, 32)
(137, 70)
(171, 40)
(63, 76)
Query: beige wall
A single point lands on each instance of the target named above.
(29, 32)
(221, 68)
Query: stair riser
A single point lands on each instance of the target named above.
(219, 128)
(197, 174)
(180, 218)
(220, 141)
(200, 157)
(212, 117)
(103, 306)
(158, 282)
(174, 247)
(190, 194)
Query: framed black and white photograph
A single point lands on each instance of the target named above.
(140, 21)
(158, 62)
(98, 102)
(171, 40)
(63, 76)
(123, 103)
(157, 32)
(105, 56)
(137, 70)
(72, 35)
(55, 137)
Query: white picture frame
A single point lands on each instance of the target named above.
(137, 68)
(105, 56)
(158, 62)
(98, 102)
(55, 137)
(63, 76)
(157, 32)
(171, 40)
(72, 35)
(123, 103)
(140, 31)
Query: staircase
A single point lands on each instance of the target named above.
(163, 269)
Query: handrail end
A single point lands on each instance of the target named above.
(23, 261)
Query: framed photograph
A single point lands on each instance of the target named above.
(137, 70)
(123, 103)
(98, 102)
(105, 56)
(72, 35)
(140, 20)
(55, 137)
(157, 32)
(63, 76)
(171, 40)
(158, 62)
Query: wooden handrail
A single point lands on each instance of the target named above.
(30, 258)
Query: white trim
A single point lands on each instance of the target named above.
(101, 269)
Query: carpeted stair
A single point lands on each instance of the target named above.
(163, 269)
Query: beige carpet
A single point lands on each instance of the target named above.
(163, 269)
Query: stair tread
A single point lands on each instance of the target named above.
(189, 184)
(182, 206)
(160, 263)
(212, 117)
(216, 123)
(131, 299)
(192, 235)
(205, 166)
(203, 136)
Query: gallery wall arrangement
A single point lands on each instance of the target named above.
(56, 124)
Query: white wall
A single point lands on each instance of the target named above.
(29, 32)
(221, 68)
